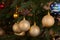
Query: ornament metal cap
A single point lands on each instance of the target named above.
(24, 18)
(34, 23)
(48, 13)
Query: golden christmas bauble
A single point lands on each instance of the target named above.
(15, 15)
(48, 20)
(20, 34)
(34, 30)
(24, 25)
(16, 28)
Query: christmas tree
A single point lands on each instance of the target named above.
(28, 20)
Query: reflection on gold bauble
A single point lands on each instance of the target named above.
(48, 20)
(34, 30)
(16, 28)
(24, 25)
(15, 15)
(2, 32)
(20, 34)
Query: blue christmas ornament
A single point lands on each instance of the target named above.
(55, 8)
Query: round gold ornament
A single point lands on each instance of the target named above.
(16, 28)
(20, 34)
(34, 30)
(15, 15)
(48, 20)
(24, 25)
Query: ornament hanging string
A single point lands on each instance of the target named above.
(16, 9)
